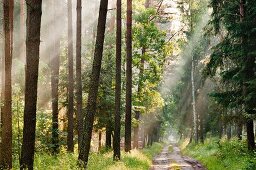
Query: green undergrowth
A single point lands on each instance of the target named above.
(135, 160)
(217, 154)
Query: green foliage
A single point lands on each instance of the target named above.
(219, 155)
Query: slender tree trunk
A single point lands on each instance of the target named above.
(94, 84)
(128, 121)
(250, 135)
(195, 119)
(228, 130)
(55, 63)
(70, 141)
(116, 140)
(79, 73)
(6, 114)
(108, 136)
(34, 12)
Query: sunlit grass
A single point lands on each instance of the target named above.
(134, 160)
(219, 155)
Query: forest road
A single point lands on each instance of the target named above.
(173, 160)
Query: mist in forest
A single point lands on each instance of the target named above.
(174, 66)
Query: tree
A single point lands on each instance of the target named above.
(94, 85)
(116, 141)
(6, 111)
(235, 56)
(128, 107)
(55, 64)
(78, 73)
(34, 12)
(70, 142)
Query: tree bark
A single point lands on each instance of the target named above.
(128, 108)
(116, 140)
(6, 114)
(108, 136)
(55, 63)
(70, 142)
(79, 73)
(34, 12)
(94, 84)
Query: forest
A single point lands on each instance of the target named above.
(142, 84)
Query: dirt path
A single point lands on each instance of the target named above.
(174, 161)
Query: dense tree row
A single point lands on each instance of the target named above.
(137, 77)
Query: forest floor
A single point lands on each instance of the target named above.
(171, 159)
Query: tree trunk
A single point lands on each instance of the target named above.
(128, 108)
(100, 136)
(55, 63)
(79, 99)
(34, 12)
(195, 117)
(116, 140)
(250, 135)
(70, 142)
(94, 84)
(6, 114)
(108, 136)
(228, 131)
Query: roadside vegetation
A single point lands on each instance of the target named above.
(136, 160)
(222, 154)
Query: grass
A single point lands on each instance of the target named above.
(135, 160)
(223, 154)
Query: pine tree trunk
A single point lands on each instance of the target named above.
(94, 84)
(116, 140)
(128, 108)
(6, 111)
(250, 135)
(79, 73)
(108, 136)
(70, 142)
(55, 63)
(34, 12)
